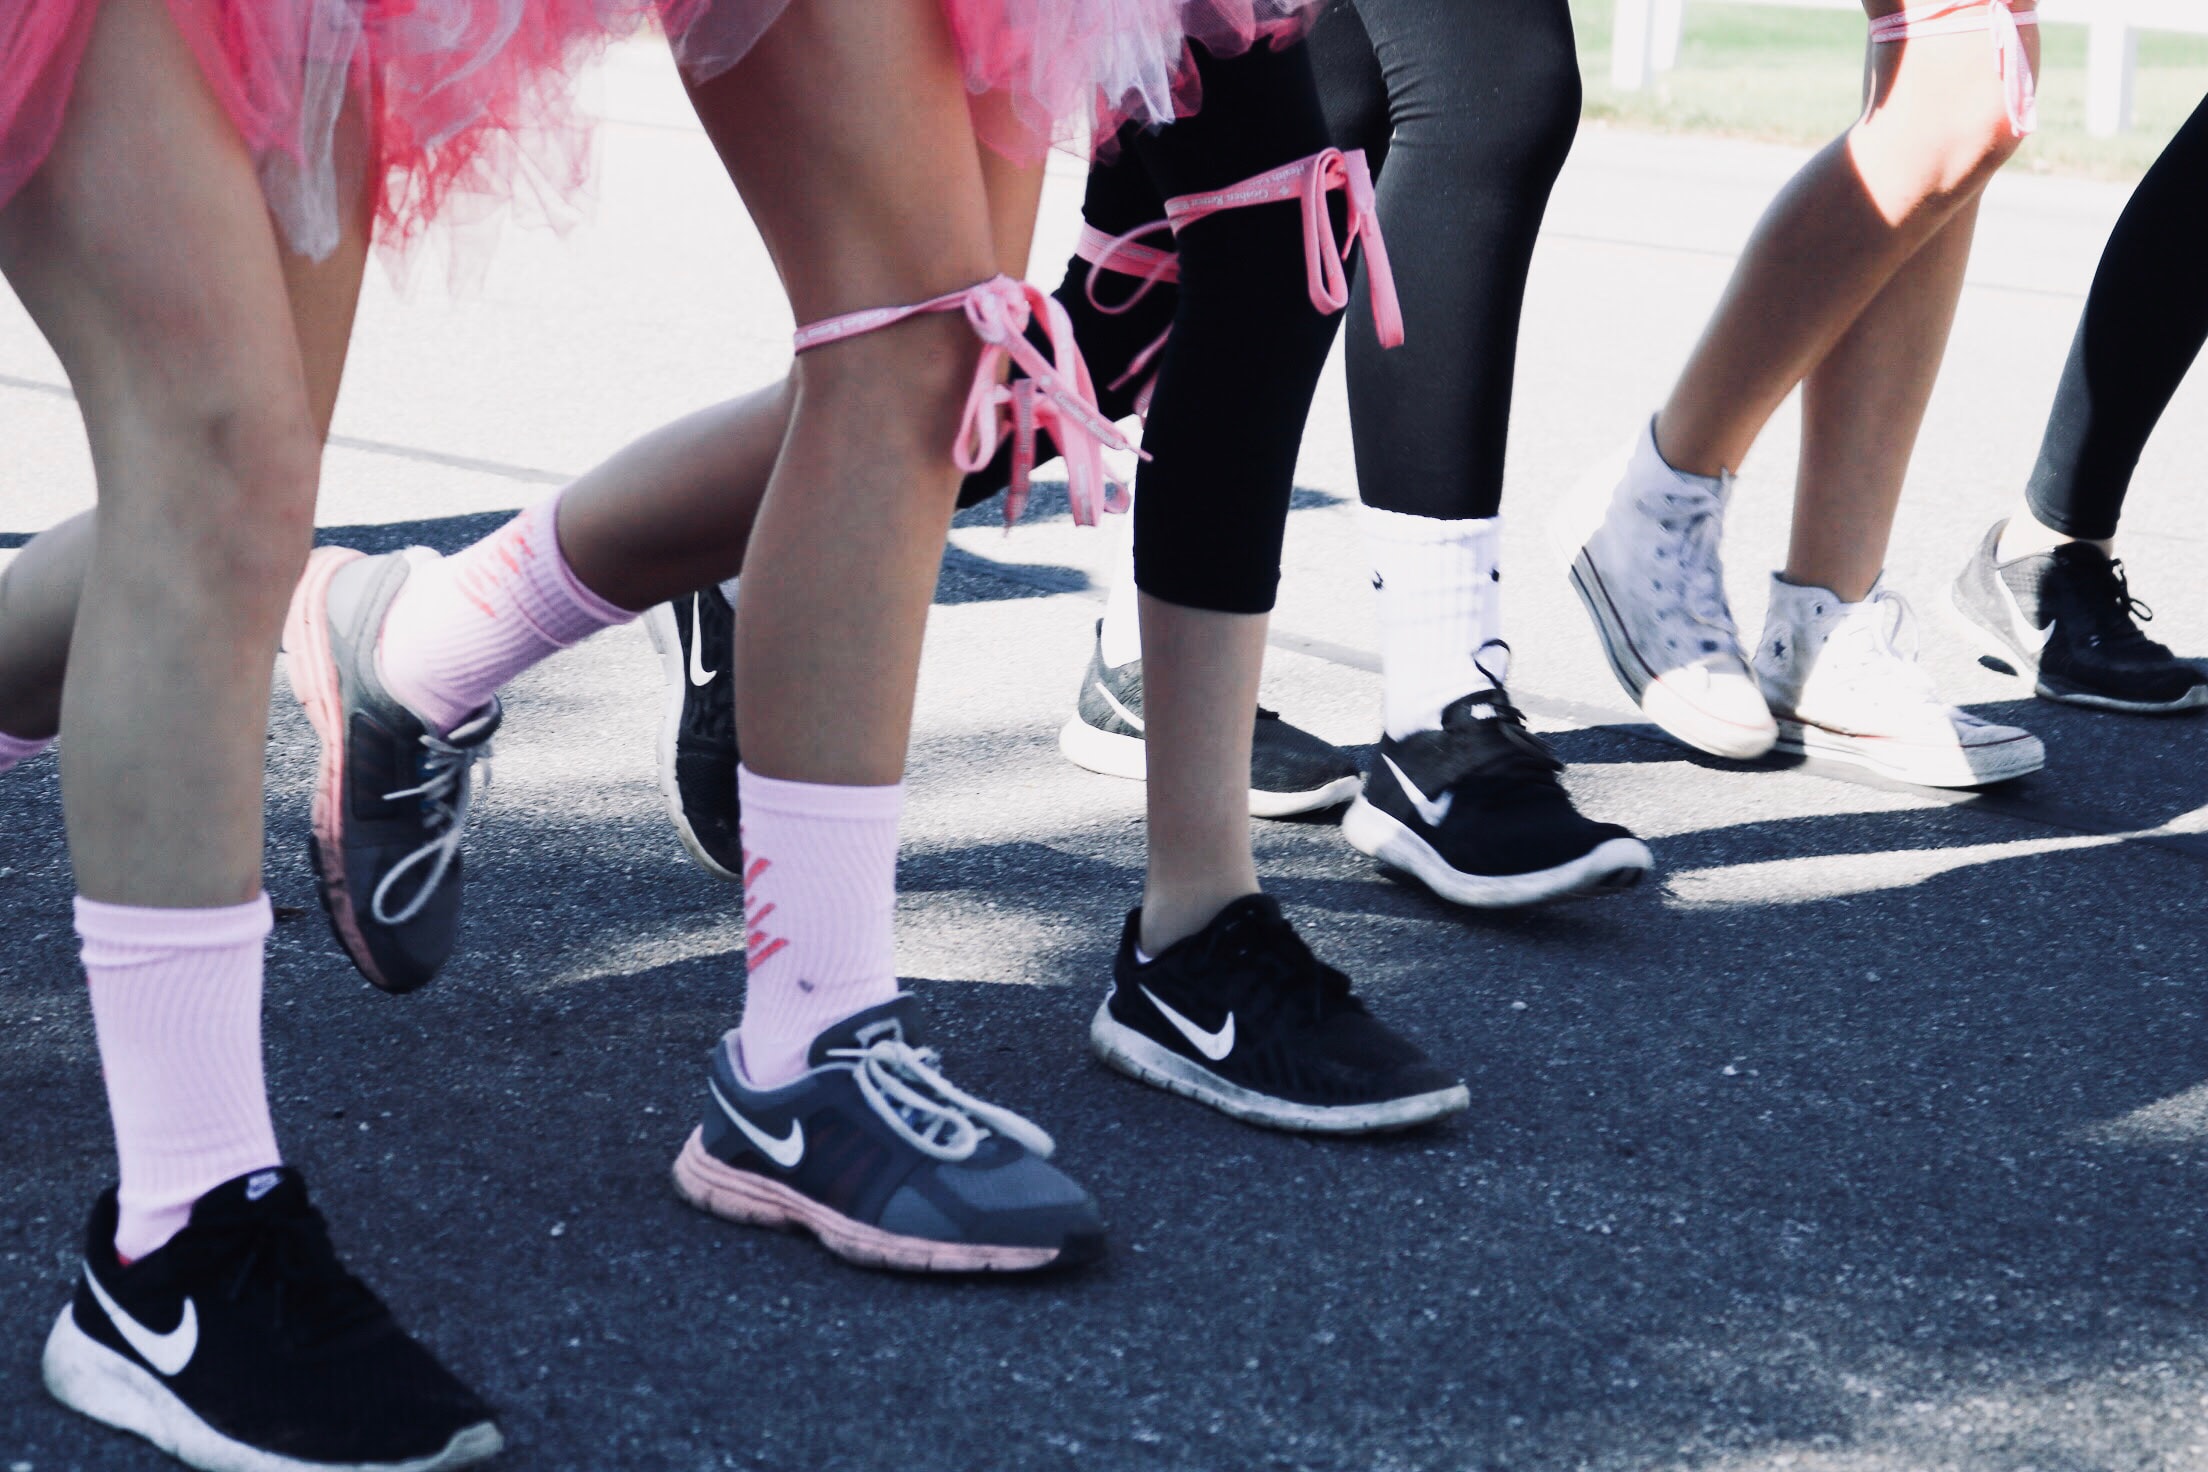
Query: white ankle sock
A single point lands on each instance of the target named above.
(820, 901)
(176, 1003)
(1437, 584)
(1122, 633)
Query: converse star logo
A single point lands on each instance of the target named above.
(1213, 1045)
(260, 1185)
(168, 1353)
(785, 1152)
(1433, 812)
(1117, 708)
(699, 674)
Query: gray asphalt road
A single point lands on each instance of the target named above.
(1870, 1135)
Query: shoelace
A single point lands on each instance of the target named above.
(1326, 260)
(2019, 88)
(313, 1297)
(1694, 518)
(1055, 395)
(1885, 626)
(447, 793)
(933, 1115)
(2112, 614)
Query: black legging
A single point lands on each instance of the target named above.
(1482, 98)
(2144, 323)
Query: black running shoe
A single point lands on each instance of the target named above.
(884, 1160)
(243, 1345)
(1291, 770)
(2066, 621)
(1241, 1016)
(391, 798)
(696, 640)
(1474, 812)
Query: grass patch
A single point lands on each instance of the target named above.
(1795, 76)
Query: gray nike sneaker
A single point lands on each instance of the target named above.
(391, 797)
(888, 1163)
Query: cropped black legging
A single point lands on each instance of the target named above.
(2144, 324)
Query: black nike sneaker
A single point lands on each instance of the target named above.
(1291, 770)
(888, 1163)
(243, 1345)
(1474, 812)
(696, 640)
(2066, 621)
(1243, 1017)
(391, 797)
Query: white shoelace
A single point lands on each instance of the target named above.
(932, 1114)
(448, 790)
(1694, 519)
(1884, 627)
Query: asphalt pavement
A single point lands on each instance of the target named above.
(1870, 1135)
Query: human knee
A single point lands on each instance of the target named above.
(1955, 138)
(235, 497)
(1517, 120)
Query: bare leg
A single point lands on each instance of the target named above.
(181, 350)
(1933, 134)
(39, 591)
(1861, 410)
(1200, 679)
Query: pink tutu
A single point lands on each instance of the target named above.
(1069, 68)
(467, 99)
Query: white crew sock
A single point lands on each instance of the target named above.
(1437, 584)
(1122, 634)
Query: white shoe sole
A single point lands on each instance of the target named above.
(1114, 755)
(1993, 645)
(1613, 865)
(659, 623)
(1920, 766)
(1660, 702)
(1139, 1057)
(88, 1377)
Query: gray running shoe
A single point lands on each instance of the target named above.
(391, 797)
(884, 1160)
(1292, 771)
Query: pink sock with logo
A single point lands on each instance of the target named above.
(14, 750)
(820, 900)
(466, 624)
(176, 1001)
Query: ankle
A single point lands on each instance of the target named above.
(2025, 535)
(1171, 914)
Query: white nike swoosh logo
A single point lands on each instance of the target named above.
(785, 1152)
(2031, 638)
(168, 1353)
(699, 674)
(1433, 812)
(1120, 710)
(1213, 1045)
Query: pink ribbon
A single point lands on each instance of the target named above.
(1056, 396)
(1326, 260)
(2019, 89)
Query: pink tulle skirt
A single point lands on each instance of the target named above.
(465, 100)
(1069, 69)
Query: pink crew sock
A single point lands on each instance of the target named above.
(820, 896)
(464, 625)
(14, 750)
(176, 1000)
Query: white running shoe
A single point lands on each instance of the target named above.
(1844, 682)
(1641, 540)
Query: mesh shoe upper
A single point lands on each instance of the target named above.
(2081, 598)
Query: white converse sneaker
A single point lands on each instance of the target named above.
(1641, 539)
(1844, 682)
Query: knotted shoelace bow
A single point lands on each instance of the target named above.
(1055, 395)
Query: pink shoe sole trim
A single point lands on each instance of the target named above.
(742, 1196)
(314, 684)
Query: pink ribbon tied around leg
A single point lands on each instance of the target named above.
(1056, 396)
(2019, 88)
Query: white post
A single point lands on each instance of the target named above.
(1666, 24)
(1629, 44)
(2111, 64)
